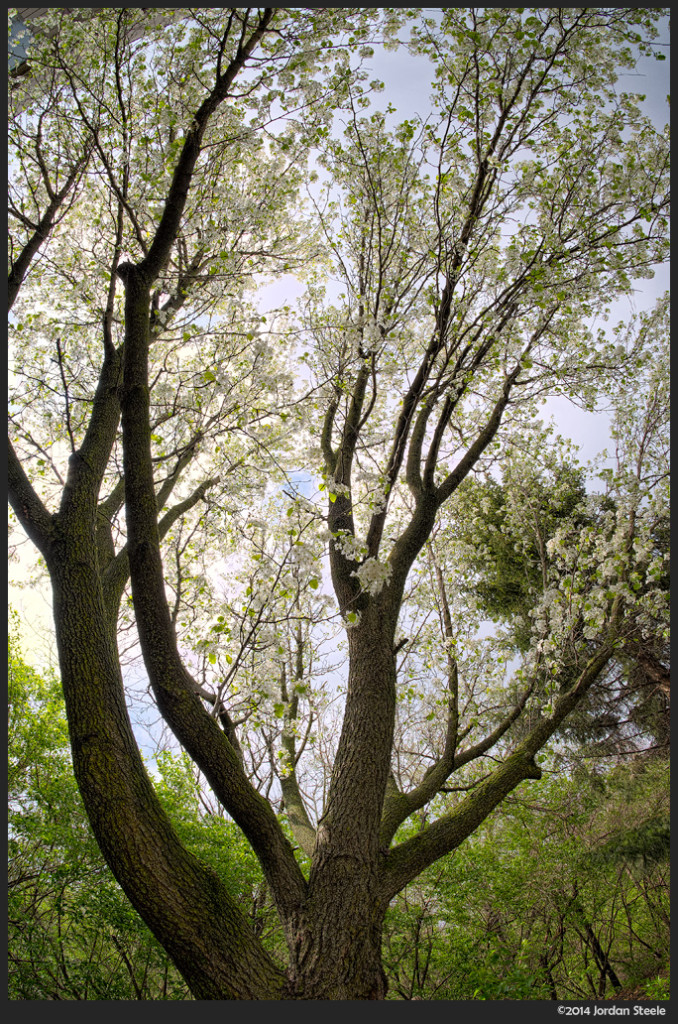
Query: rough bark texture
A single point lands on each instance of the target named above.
(338, 951)
(183, 902)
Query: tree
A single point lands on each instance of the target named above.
(72, 932)
(508, 530)
(155, 175)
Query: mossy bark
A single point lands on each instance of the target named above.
(183, 902)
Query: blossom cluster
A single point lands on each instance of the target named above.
(594, 570)
(350, 547)
(373, 575)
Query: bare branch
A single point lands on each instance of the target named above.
(29, 509)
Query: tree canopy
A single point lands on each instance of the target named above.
(301, 518)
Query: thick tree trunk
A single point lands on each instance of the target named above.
(183, 902)
(338, 952)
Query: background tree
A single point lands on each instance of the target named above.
(508, 531)
(470, 248)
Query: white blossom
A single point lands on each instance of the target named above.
(373, 575)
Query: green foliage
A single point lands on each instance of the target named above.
(658, 988)
(217, 842)
(507, 527)
(72, 932)
(550, 901)
(37, 730)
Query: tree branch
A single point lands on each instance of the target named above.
(20, 266)
(167, 230)
(295, 809)
(116, 572)
(468, 461)
(329, 454)
(410, 858)
(406, 861)
(172, 684)
(29, 509)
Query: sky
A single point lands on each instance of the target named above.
(406, 80)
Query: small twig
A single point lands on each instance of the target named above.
(66, 395)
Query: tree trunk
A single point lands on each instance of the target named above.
(184, 903)
(338, 952)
